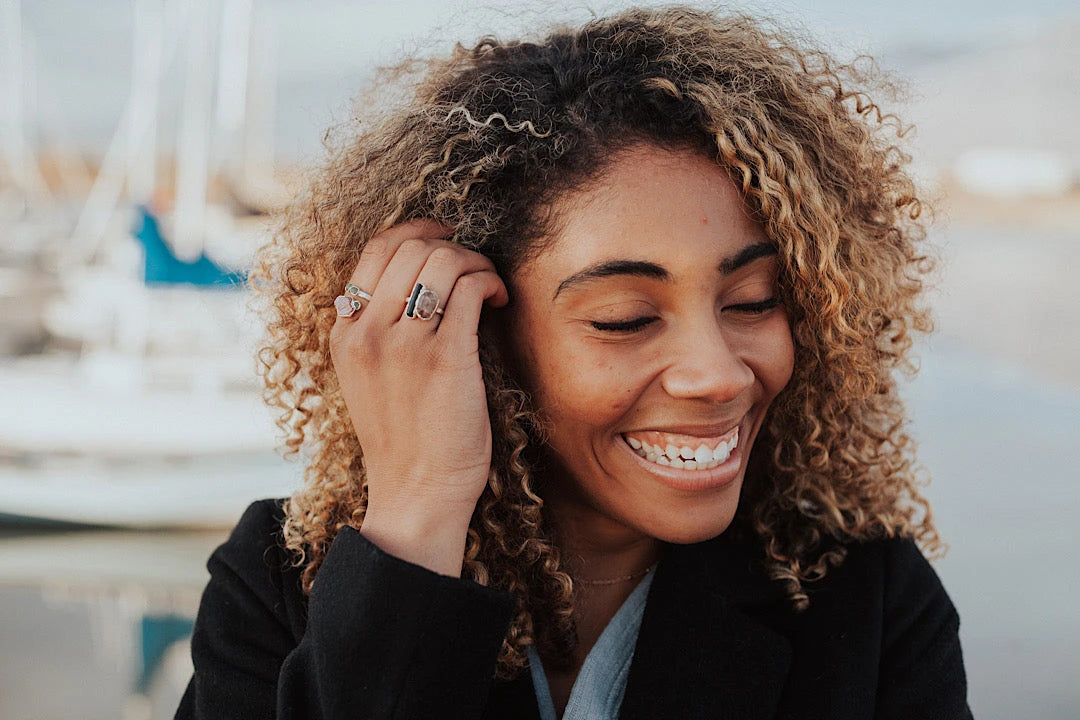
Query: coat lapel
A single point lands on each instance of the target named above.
(702, 652)
(513, 699)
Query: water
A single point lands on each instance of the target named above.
(1003, 452)
(1000, 444)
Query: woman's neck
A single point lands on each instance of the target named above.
(606, 559)
(606, 567)
(593, 547)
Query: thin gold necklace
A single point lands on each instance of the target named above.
(613, 581)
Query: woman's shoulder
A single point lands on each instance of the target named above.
(253, 564)
(912, 594)
(888, 584)
(262, 516)
(887, 573)
(897, 563)
(258, 534)
(898, 554)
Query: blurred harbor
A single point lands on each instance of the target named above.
(145, 149)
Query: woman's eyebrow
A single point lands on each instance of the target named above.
(747, 255)
(642, 268)
(607, 268)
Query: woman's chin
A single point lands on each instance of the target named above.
(686, 529)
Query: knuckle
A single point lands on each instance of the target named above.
(444, 256)
(466, 284)
(482, 260)
(412, 246)
(375, 247)
(471, 284)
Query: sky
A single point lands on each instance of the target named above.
(319, 53)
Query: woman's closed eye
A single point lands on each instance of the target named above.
(624, 326)
(755, 307)
(639, 323)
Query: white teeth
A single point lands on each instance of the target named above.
(685, 458)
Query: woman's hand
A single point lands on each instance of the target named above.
(415, 392)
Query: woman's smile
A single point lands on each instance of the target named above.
(650, 335)
(689, 452)
(673, 460)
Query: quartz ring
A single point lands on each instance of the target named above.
(353, 290)
(346, 305)
(423, 304)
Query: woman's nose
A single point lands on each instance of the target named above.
(705, 365)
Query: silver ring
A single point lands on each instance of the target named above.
(346, 305)
(351, 289)
(423, 304)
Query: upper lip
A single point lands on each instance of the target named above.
(711, 430)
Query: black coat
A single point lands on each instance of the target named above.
(382, 638)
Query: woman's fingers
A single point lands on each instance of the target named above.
(443, 269)
(396, 282)
(381, 249)
(436, 264)
(461, 317)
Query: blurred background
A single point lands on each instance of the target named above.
(144, 147)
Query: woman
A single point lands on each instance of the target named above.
(604, 421)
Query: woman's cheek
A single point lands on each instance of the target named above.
(776, 356)
(598, 381)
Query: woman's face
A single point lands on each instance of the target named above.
(650, 328)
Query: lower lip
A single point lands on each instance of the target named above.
(694, 480)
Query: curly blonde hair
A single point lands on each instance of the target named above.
(488, 138)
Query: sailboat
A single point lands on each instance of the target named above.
(156, 419)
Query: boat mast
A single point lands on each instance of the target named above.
(146, 69)
(193, 143)
(22, 165)
(136, 124)
(258, 150)
(233, 79)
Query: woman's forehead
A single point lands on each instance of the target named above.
(650, 203)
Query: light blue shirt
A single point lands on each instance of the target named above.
(600, 685)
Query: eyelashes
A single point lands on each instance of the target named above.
(756, 307)
(640, 323)
(624, 325)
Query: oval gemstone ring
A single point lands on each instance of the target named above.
(423, 304)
